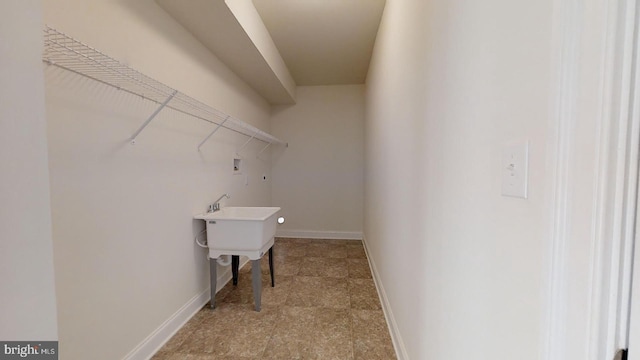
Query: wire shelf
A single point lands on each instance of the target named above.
(70, 54)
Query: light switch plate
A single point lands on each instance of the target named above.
(515, 168)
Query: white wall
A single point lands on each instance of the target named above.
(318, 179)
(247, 15)
(123, 231)
(462, 267)
(27, 292)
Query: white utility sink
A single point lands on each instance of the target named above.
(236, 231)
(247, 231)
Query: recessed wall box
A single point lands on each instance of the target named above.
(237, 166)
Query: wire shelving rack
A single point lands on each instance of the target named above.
(72, 55)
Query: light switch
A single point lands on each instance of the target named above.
(515, 166)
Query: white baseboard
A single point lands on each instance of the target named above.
(149, 346)
(398, 344)
(312, 234)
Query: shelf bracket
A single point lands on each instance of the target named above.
(263, 149)
(213, 132)
(74, 56)
(247, 143)
(144, 125)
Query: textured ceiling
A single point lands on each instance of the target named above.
(323, 42)
(274, 45)
(216, 26)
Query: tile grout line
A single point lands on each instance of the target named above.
(353, 343)
(295, 273)
(271, 335)
(278, 315)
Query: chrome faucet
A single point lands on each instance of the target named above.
(216, 204)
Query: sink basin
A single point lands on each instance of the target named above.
(247, 231)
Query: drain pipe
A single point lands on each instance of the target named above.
(224, 260)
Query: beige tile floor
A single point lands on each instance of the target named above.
(324, 306)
